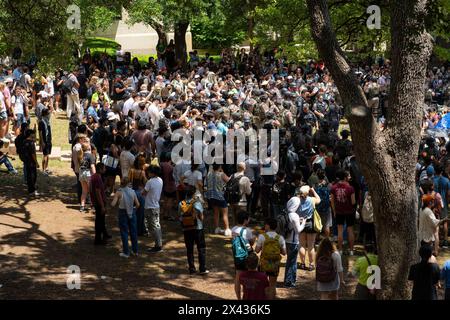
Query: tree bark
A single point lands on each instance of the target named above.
(250, 30)
(387, 158)
(180, 42)
(162, 36)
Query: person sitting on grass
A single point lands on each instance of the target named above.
(255, 284)
(4, 159)
(128, 203)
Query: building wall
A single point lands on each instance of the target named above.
(137, 38)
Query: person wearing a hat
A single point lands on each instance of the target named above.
(370, 258)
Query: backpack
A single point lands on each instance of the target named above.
(67, 85)
(188, 219)
(324, 193)
(270, 256)
(239, 247)
(419, 173)
(367, 210)
(232, 193)
(283, 223)
(325, 271)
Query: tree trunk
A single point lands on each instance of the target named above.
(387, 158)
(180, 42)
(250, 30)
(162, 36)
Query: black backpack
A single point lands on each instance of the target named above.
(231, 190)
(67, 85)
(283, 223)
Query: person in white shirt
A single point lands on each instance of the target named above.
(152, 193)
(428, 223)
(130, 104)
(126, 159)
(270, 225)
(296, 226)
(153, 111)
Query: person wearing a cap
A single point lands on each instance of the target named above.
(359, 270)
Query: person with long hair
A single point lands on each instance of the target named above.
(87, 169)
(329, 272)
(138, 179)
(216, 181)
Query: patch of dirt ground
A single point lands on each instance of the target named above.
(41, 237)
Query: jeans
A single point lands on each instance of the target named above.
(128, 225)
(290, 275)
(140, 214)
(152, 221)
(31, 178)
(7, 163)
(100, 225)
(79, 188)
(196, 237)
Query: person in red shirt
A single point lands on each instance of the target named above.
(255, 284)
(342, 200)
(98, 199)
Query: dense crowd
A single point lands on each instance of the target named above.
(122, 117)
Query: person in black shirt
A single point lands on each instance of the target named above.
(281, 191)
(30, 161)
(45, 139)
(425, 276)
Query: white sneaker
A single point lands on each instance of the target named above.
(218, 231)
(123, 255)
(227, 233)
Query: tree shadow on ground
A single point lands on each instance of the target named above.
(34, 262)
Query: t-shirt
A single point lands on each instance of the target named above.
(154, 188)
(425, 278)
(18, 104)
(142, 138)
(75, 150)
(342, 193)
(247, 234)
(361, 265)
(254, 284)
(46, 131)
(29, 148)
(97, 183)
(86, 162)
(126, 162)
(167, 176)
(427, 225)
(192, 178)
(445, 274)
(74, 81)
(130, 104)
(272, 235)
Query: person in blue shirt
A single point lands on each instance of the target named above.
(191, 218)
(93, 111)
(445, 277)
(442, 186)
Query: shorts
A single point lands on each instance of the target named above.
(309, 226)
(3, 116)
(85, 176)
(47, 150)
(217, 203)
(272, 274)
(171, 195)
(20, 119)
(347, 219)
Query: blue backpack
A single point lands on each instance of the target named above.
(324, 193)
(239, 246)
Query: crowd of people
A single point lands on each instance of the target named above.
(122, 116)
